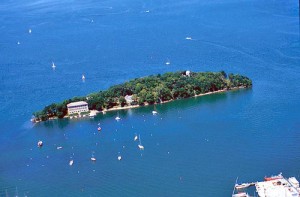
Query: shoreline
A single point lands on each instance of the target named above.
(95, 112)
(146, 104)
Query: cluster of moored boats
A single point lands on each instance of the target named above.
(93, 158)
(273, 186)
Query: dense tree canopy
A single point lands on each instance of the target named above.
(150, 90)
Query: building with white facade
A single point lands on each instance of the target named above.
(77, 107)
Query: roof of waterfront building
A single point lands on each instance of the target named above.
(74, 104)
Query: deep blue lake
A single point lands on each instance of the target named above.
(193, 147)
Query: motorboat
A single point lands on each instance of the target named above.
(59, 147)
(242, 186)
(271, 178)
(242, 194)
(117, 118)
(119, 157)
(93, 159)
(188, 38)
(99, 129)
(53, 65)
(136, 138)
(83, 77)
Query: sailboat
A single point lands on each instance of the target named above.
(119, 157)
(71, 162)
(141, 147)
(135, 138)
(168, 62)
(93, 158)
(17, 193)
(154, 112)
(118, 118)
(53, 65)
(40, 143)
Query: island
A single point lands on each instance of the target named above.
(142, 91)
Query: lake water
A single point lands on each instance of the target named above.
(193, 147)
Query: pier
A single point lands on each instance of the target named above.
(274, 186)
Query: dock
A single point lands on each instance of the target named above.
(274, 186)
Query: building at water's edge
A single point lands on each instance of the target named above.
(77, 107)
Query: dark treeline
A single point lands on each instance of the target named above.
(150, 90)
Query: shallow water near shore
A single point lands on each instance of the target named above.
(193, 147)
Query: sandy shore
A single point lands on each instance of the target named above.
(146, 104)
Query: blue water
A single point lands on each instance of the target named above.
(193, 147)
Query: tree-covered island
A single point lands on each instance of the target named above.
(150, 90)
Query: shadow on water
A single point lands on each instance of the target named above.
(180, 104)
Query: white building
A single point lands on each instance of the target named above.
(77, 107)
(128, 99)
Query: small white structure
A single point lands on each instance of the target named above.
(188, 73)
(77, 107)
(128, 99)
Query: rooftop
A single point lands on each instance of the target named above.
(77, 103)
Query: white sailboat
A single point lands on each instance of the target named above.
(40, 143)
(93, 158)
(141, 147)
(119, 157)
(135, 138)
(71, 162)
(118, 117)
(168, 62)
(53, 65)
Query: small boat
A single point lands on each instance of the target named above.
(117, 118)
(141, 147)
(71, 162)
(271, 178)
(136, 138)
(119, 157)
(99, 129)
(83, 77)
(154, 112)
(93, 159)
(168, 63)
(59, 147)
(40, 143)
(29, 31)
(147, 11)
(242, 186)
(188, 38)
(242, 194)
(53, 65)
(18, 43)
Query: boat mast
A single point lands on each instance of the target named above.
(234, 185)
